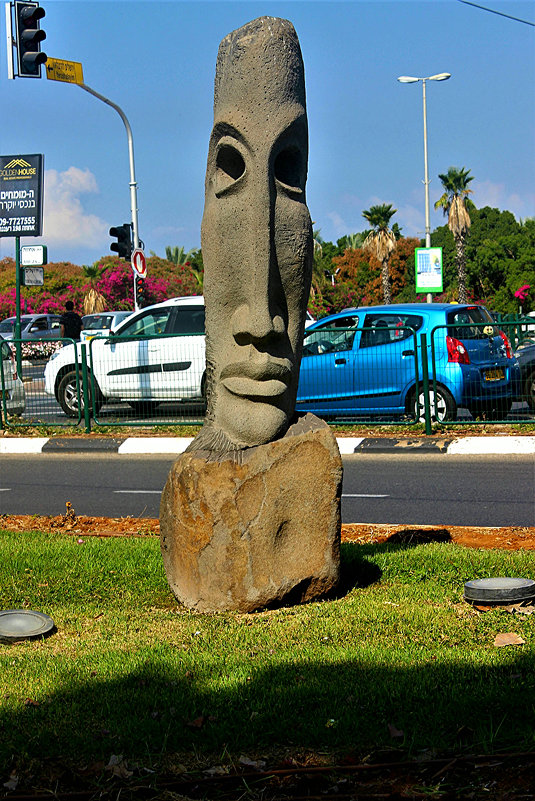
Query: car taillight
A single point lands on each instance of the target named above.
(457, 351)
(508, 348)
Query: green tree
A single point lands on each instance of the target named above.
(500, 258)
(455, 204)
(381, 241)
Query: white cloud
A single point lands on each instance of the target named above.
(486, 193)
(65, 220)
(338, 223)
(411, 221)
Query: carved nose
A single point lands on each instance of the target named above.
(259, 317)
(252, 322)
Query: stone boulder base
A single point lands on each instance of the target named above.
(249, 533)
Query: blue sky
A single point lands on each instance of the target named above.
(156, 60)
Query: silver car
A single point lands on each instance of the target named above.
(32, 326)
(12, 398)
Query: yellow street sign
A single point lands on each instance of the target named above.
(68, 71)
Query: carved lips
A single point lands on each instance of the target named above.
(266, 379)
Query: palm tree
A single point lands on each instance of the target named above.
(381, 241)
(455, 204)
(94, 301)
(178, 254)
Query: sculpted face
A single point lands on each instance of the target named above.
(256, 233)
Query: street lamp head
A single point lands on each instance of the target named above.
(408, 79)
(442, 76)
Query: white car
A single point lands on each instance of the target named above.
(12, 397)
(100, 324)
(157, 354)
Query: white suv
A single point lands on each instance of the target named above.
(157, 354)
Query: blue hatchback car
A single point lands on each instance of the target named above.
(367, 362)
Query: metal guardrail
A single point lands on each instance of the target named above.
(134, 389)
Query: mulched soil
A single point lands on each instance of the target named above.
(509, 538)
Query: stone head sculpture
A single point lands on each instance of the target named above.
(256, 234)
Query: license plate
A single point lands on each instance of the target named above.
(494, 375)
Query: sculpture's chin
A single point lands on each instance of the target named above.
(250, 422)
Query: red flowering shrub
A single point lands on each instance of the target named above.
(65, 281)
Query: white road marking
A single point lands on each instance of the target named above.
(138, 492)
(5, 489)
(154, 445)
(364, 495)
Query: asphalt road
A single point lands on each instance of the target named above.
(406, 488)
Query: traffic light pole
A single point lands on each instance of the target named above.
(133, 184)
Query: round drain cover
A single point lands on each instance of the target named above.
(499, 590)
(24, 624)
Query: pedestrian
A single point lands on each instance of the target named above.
(70, 323)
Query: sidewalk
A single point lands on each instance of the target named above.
(459, 446)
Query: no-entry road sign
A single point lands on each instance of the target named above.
(139, 262)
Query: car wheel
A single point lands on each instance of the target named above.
(143, 407)
(529, 391)
(68, 396)
(443, 406)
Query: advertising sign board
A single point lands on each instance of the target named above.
(21, 191)
(428, 262)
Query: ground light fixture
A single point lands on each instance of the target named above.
(500, 590)
(24, 624)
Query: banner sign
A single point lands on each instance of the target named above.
(428, 262)
(21, 195)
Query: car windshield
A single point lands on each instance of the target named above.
(468, 323)
(7, 326)
(97, 321)
(149, 324)
(336, 335)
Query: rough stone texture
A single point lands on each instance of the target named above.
(257, 527)
(256, 235)
(250, 514)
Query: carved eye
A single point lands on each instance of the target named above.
(230, 166)
(289, 168)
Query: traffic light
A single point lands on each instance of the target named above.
(140, 290)
(123, 246)
(29, 38)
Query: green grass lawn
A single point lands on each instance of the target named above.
(130, 672)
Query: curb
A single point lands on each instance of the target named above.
(464, 446)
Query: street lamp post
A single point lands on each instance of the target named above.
(442, 76)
